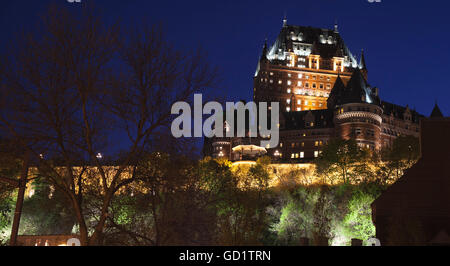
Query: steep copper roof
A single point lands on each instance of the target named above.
(325, 42)
(356, 91)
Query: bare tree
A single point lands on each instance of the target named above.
(76, 85)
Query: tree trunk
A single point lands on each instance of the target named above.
(19, 202)
(97, 235)
(81, 223)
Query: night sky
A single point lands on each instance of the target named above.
(406, 43)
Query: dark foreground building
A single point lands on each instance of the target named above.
(416, 209)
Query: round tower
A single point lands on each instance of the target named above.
(360, 121)
(357, 111)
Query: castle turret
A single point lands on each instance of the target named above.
(357, 113)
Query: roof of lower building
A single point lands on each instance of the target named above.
(302, 119)
(436, 112)
(399, 111)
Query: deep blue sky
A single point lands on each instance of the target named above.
(406, 43)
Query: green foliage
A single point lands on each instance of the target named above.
(403, 153)
(296, 218)
(6, 215)
(341, 160)
(46, 212)
(338, 213)
(9, 168)
(205, 202)
(358, 221)
(241, 214)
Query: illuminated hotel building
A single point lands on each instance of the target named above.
(323, 93)
(301, 67)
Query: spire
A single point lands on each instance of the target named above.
(336, 26)
(436, 112)
(336, 94)
(339, 84)
(362, 60)
(284, 20)
(264, 51)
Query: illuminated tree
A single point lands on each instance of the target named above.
(339, 159)
(10, 165)
(358, 221)
(242, 217)
(403, 153)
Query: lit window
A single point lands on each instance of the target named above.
(300, 76)
(288, 100)
(306, 102)
(316, 154)
(288, 90)
(289, 74)
(302, 154)
(292, 155)
(299, 101)
(299, 83)
(271, 73)
(303, 143)
(299, 108)
(280, 81)
(296, 155)
(288, 109)
(316, 143)
(271, 81)
(288, 82)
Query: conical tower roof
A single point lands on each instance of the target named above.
(362, 60)
(436, 112)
